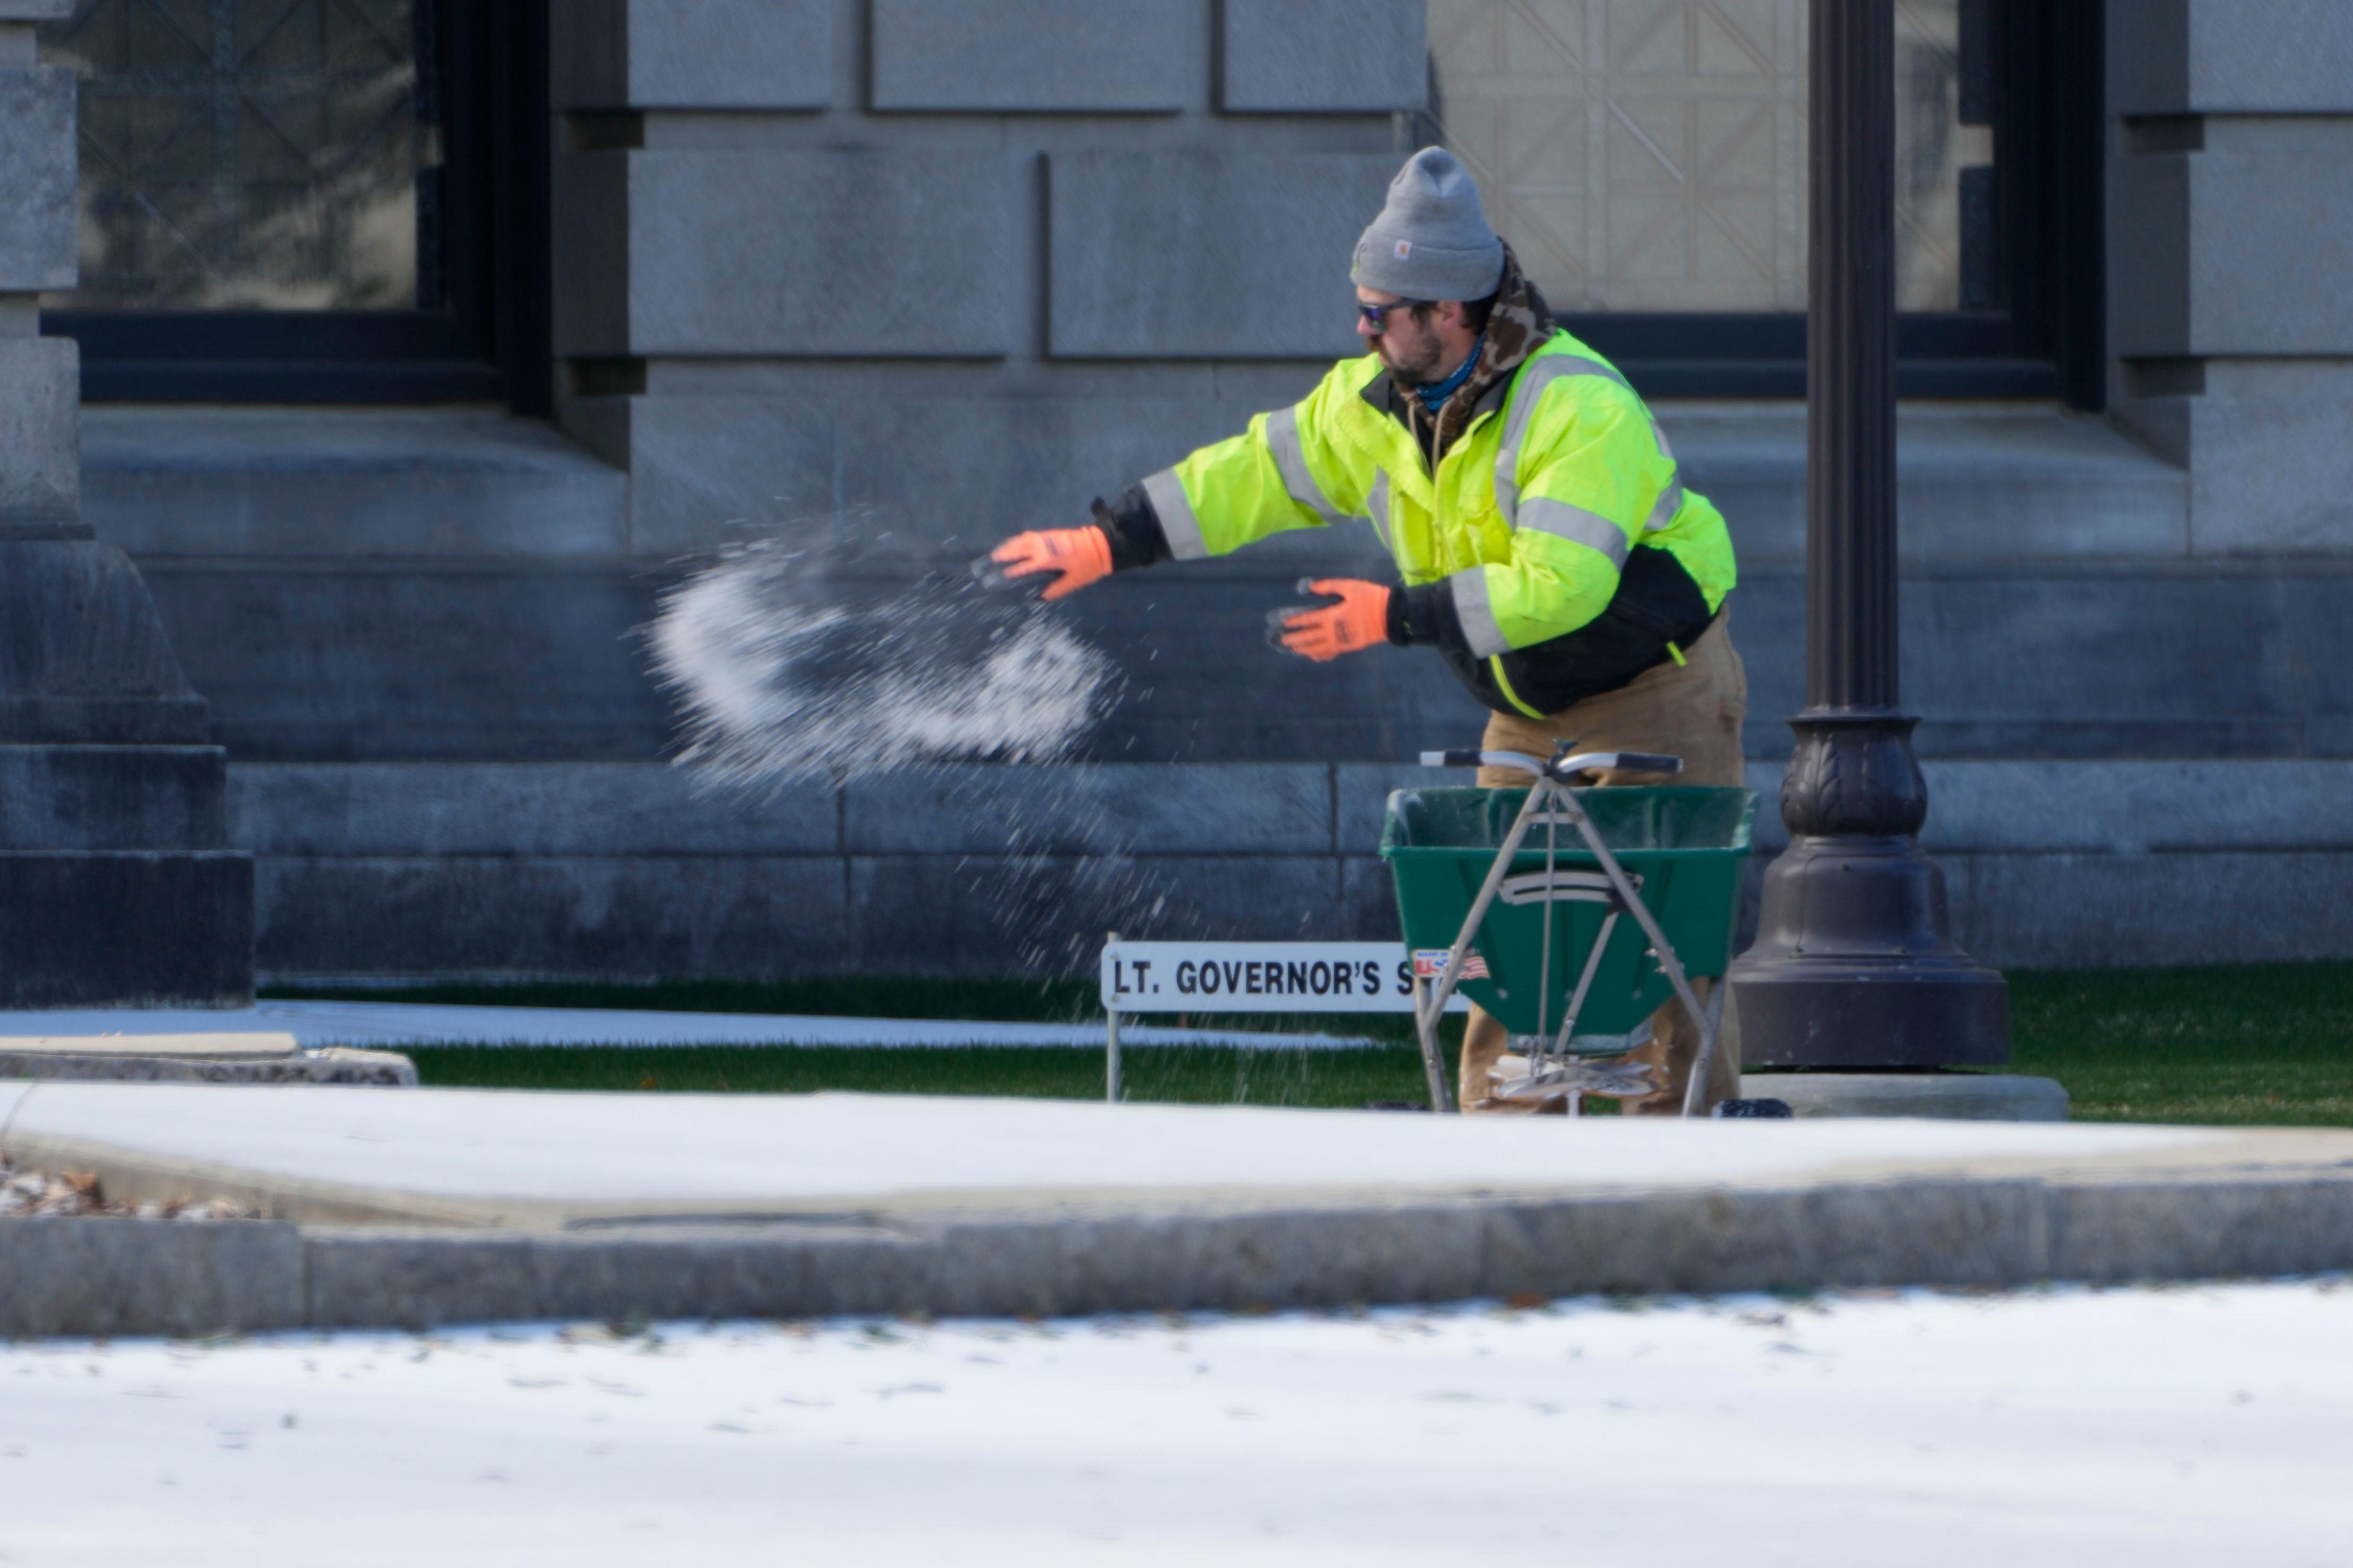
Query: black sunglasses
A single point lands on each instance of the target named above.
(1377, 316)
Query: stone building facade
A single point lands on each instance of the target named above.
(903, 276)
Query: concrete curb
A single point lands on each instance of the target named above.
(140, 1277)
(333, 1064)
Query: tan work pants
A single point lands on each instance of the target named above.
(1691, 710)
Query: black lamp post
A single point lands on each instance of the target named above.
(1854, 965)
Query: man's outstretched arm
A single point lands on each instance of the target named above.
(1277, 475)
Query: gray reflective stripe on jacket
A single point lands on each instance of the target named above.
(1377, 504)
(1671, 500)
(1178, 523)
(1290, 461)
(1534, 378)
(1477, 616)
(1576, 524)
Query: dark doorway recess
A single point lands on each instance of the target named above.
(472, 104)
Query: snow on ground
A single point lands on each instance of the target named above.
(392, 1025)
(2197, 1426)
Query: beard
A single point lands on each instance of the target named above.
(1414, 365)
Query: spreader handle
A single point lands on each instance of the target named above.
(1649, 763)
(1561, 766)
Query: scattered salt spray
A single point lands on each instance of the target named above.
(784, 669)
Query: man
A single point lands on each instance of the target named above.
(1548, 549)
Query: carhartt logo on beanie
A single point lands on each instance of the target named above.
(1431, 240)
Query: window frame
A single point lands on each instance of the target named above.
(489, 341)
(2046, 65)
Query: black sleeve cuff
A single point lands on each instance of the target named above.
(1425, 618)
(1133, 530)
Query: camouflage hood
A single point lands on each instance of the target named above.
(1519, 325)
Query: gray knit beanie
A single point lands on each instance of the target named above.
(1431, 240)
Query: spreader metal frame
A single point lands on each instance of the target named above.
(1552, 801)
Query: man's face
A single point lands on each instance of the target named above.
(1410, 348)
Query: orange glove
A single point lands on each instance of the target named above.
(1080, 556)
(1322, 632)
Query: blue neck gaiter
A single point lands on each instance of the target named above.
(1434, 397)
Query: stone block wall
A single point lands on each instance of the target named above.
(783, 254)
(909, 275)
(1048, 57)
(40, 378)
(382, 870)
(2230, 222)
(36, 165)
(1143, 250)
(1011, 258)
(1320, 57)
(693, 55)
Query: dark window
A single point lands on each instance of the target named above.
(334, 200)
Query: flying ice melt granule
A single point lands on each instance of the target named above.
(785, 671)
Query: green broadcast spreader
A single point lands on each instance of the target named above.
(1570, 914)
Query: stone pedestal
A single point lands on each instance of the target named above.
(1938, 1096)
(117, 886)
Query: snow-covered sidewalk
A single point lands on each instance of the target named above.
(2190, 1426)
(393, 1024)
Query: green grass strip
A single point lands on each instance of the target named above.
(2245, 1045)
(2236, 1045)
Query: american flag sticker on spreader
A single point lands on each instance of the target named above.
(1429, 963)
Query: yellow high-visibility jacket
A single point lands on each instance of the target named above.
(1554, 552)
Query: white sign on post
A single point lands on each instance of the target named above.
(1264, 978)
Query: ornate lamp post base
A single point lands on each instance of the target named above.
(1854, 964)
